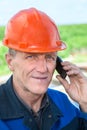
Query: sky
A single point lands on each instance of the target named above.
(61, 11)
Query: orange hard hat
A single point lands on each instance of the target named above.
(31, 30)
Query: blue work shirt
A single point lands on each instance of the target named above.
(60, 114)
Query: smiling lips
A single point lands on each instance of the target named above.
(40, 78)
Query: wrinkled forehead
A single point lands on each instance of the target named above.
(46, 53)
(16, 52)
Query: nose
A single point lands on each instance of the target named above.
(42, 66)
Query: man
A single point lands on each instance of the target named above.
(26, 102)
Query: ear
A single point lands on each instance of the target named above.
(9, 60)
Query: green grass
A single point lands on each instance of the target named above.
(2, 32)
(3, 66)
(75, 37)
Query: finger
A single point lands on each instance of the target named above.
(69, 66)
(64, 82)
(71, 69)
(72, 72)
(76, 73)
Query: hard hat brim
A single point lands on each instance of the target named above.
(34, 49)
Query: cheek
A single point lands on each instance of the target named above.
(23, 70)
(18, 68)
(52, 68)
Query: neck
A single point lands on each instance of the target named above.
(30, 100)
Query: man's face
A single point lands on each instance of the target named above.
(33, 72)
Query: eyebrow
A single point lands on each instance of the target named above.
(48, 53)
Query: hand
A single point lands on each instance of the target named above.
(76, 87)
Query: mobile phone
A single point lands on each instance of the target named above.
(59, 68)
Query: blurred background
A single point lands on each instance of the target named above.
(70, 17)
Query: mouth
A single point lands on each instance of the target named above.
(40, 78)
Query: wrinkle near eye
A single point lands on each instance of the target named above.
(47, 56)
(50, 57)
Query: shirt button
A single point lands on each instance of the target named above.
(49, 116)
(30, 120)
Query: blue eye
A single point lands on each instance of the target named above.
(50, 57)
(30, 56)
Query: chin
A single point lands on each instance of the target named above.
(40, 90)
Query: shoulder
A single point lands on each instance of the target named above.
(5, 87)
(60, 99)
(3, 97)
(55, 93)
(2, 90)
(57, 96)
